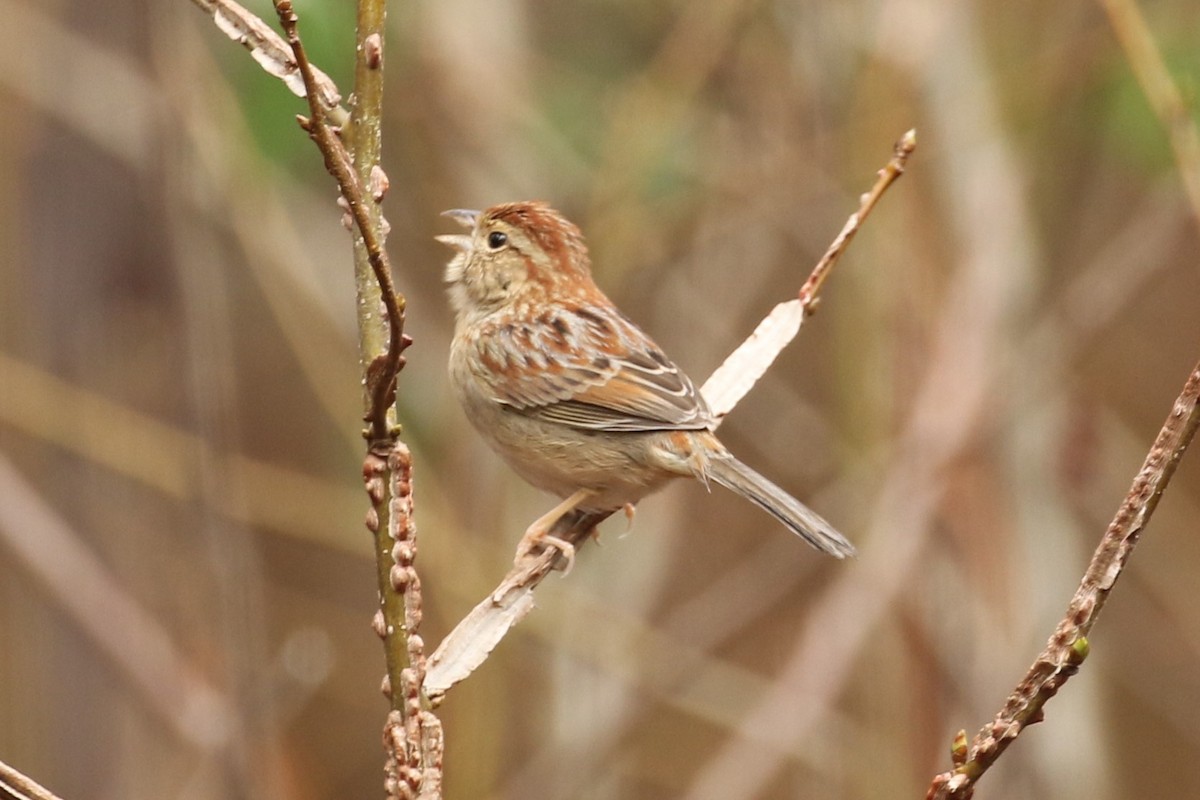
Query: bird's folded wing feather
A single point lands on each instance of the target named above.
(588, 369)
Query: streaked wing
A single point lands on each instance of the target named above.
(587, 369)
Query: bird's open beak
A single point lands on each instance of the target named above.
(463, 216)
(459, 241)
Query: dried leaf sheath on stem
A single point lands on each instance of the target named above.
(273, 54)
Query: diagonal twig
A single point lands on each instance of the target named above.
(1068, 646)
(741, 370)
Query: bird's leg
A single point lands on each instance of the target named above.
(538, 536)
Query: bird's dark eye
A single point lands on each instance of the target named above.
(496, 240)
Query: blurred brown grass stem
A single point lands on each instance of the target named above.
(141, 647)
(364, 136)
(948, 401)
(1068, 646)
(1161, 92)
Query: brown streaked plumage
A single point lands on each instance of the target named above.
(574, 396)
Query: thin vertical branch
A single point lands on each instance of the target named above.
(381, 365)
(376, 335)
(412, 734)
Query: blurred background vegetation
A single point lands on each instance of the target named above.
(185, 581)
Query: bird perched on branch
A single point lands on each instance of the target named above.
(569, 391)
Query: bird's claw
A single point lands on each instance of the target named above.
(533, 544)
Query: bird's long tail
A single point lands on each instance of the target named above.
(799, 518)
